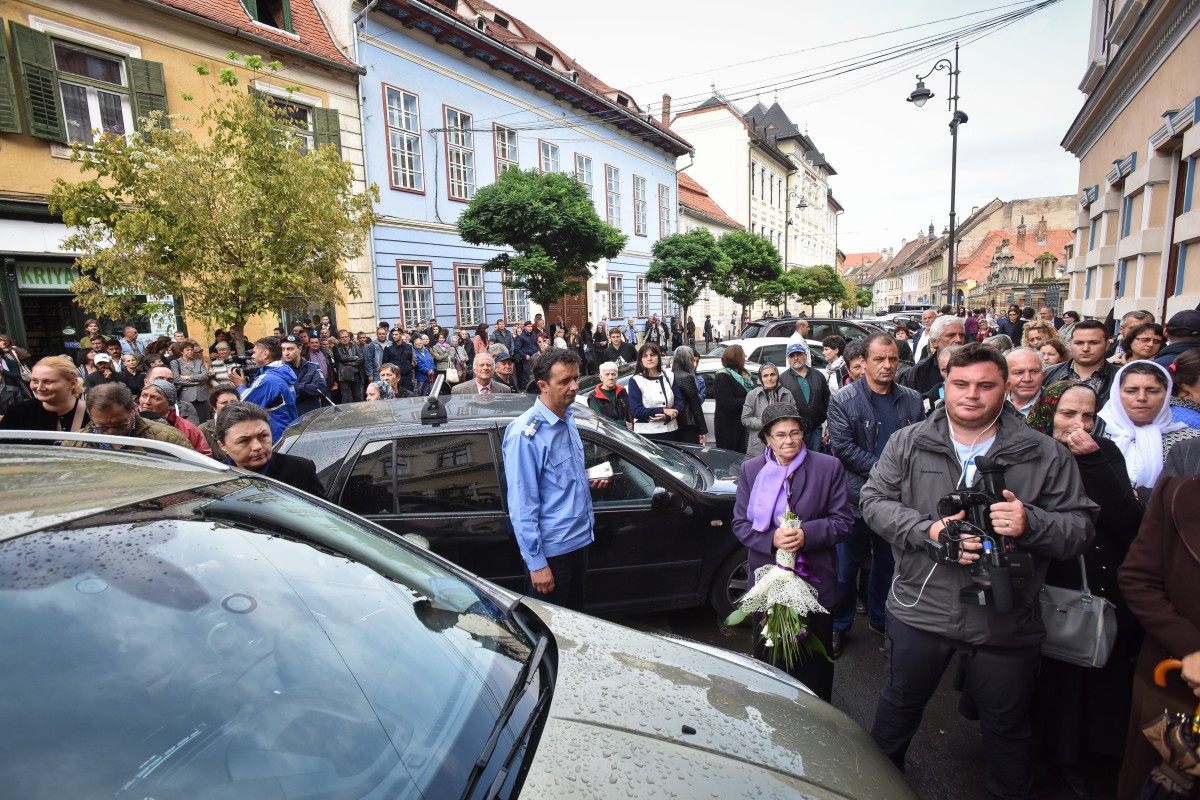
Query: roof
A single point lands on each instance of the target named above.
(695, 198)
(407, 411)
(312, 37)
(857, 263)
(977, 265)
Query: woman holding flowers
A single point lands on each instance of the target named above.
(792, 508)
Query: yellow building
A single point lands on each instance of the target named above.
(72, 67)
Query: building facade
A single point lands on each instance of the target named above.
(697, 209)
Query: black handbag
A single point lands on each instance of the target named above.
(1081, 628)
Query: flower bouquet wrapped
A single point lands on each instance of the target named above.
(781, 591)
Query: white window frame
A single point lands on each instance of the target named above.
(416, 299)
(516, 303)
(548, 156)
(643, 296)
(506, 148)
(406, 163)
(612, 195)
(460, 154)
(583, 172)
(616, 297)
(472, 308)
(664, 211)
(639, 205)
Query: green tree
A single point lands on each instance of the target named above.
(234, 213)
(753, 261)
(826, 285)
(686, 264)
(864, 298)
(551, 223)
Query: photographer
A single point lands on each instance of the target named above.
(274, 386)
(938, 606)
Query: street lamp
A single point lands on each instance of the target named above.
(787, 234)
(917, 97)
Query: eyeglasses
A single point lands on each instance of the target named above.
(1148, 339)
(784, 436)
(119, 427)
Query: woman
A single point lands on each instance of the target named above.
(90, 328)
(653, 398)
(441, 356)
(902, 334)
(1138, 418)
(379, 390)
(1140, 343)
(1082, 712)
(1000, 342)
(1037, 332)
(1185, 397)
(789, 477)
(677, 333)
(693, 429)
(390, 374)
(575, 342)
(983, 330)
(610, 399)
(218, 367)
(134, 369)
(731, 384)
(244, 432)
(422, 361)
(833, 348)
(219, 396)
(460, 359)
(1070, 318)
(756, 403)
(85, 363)
(160, 398)
(588, 349)
(56, 403)
(1054, 352)
(480, 340)
(1012, 325)
(190, 376)
(690, 331)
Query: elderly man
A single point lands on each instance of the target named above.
(1026, 371)
(182, 407)
(159, 398)
(1046, 314)
(504, 372)
(943, 332)
(809, 389)
(485, 367)
(921, 343)
(130, 346)
(114, 411)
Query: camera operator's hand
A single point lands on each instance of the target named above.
(966, 544)
(790, 539)
(1008, 518)
(236, 376)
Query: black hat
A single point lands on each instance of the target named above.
(777, 411)
(1185, 323)
(292, 338)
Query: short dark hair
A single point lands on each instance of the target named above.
(1058, 346)
(885, 338)
(219, 391)
(976, 353)
(834, 342)
(855, 349)
(946, 309)
(109, 395)
(1138, 330)
(1027, 312)
(236, 412)
(1071, 315)
(544, 363)
(1089, 325)
(272, 345)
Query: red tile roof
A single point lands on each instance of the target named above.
(856, 261)
(312, 37)
(695, 197)
(977, 264)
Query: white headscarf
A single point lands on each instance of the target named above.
(1142, 445)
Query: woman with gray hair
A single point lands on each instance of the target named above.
(693, 429)
(757, 401)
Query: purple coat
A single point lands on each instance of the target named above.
(820, 499)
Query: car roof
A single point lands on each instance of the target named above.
(407, 411)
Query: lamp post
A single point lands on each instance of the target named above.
(917, 97)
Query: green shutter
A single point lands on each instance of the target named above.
(39, 82)
(251, 7)
(326, 128)
(149, 89)
(10, 120)
(287, 17)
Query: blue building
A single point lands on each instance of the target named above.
(456, 92)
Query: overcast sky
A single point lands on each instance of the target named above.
(1018, 85)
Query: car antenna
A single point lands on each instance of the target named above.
(434, 412)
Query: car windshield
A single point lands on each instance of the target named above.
(171, 649)
(752, 331)
(682, 466)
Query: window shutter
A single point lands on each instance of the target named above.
(327, 128)
(39, 82)
(149, 89)
(10, 119)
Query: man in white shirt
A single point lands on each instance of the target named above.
(801, 332)
(921, 346)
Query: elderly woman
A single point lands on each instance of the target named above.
(244, 431)
(789, 477)
(158, 400)
(609, 398)
(1138, 418)
(56, 403)
(757, 401)
(693, 429)
(190, 375)
(380, 390)
(731, 384)
(653, 398)
(1081, 712)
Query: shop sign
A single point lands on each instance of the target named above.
(46, 277)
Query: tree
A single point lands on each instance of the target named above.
(864, 298)
(235, 214)
(551, 223)
(753, 261)
(686, 263)
(827, 286)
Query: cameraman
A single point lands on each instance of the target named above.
(274, 386)
(1043, 508)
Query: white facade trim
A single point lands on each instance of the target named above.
(84, 37)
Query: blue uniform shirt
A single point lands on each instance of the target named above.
(549, 501)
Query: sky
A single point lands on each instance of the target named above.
(1018, 85)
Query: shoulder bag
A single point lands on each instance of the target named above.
(1081, 628)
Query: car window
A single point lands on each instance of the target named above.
(753, 331)
(627, 483)
(773, 353)
(450, 473)
(819, 330)
(816, 358)
(708, 384)
(850, 332)
(785, 328)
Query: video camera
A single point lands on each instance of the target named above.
(244, 364)
(1002, 566)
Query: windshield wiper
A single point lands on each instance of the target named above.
(520, 686)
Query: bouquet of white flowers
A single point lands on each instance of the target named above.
(781, 591)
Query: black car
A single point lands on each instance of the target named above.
(818, 328)
(663, 524)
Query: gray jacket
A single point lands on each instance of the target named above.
(899, 502)
(752, 411)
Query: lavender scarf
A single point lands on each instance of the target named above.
(769, 496)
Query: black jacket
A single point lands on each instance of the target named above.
(401, 355)
(297, 472)
(310, 387)
(693, 412)
(924, 376)
(817, 406)
(1061, 371)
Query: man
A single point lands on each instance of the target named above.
(936, 397)
(800, 334)
(971, 324)
(656, 332)
(526, 348)
(104, 373)
(113, 411)
(99, 344)
(485, 367)
(130, 346)
(1043, 510)
(502, 335)
(274, 386)
(310, 383)
(373, 352)
(158, 398)
(620, 350)
(809, 389)
(920, 342)
(1026, 371)
(943, 332)
(1183, 334)
(1046, 314)
(708, 332)
(862, 418)
(238, 344)
(348, 369)
(182, 407)
(504, 375)
(631, 332)
(549, 501)
(1129, 320)
(113, 347)
(324, 361)
(1087, 363)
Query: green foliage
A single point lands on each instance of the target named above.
(233, 216)
(753, 262)
(864, 298)
(551, 223)
(686, 264)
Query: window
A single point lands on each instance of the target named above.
(416, 292)
(772, 195)
(629, 485)
(404, 140)
(506, 148)
(93, 100)
(612, 182)
(664, 211)
(460, 154)
(469, 282)
(753, 166)
(1087, 284)
(1122, 271)
(549, 154)
(643, 297)
(616, 297)
(275, 13)
(1092, 234)
(1127, 213)
(450, 473)
(639, 205)
(516, 304)
(583, 172)
(1181, 268)
(1189, 184)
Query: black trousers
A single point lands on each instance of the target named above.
(815, 672)
(1000, 681)
(570, 578)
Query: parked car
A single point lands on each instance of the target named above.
(818, 329)
(771, 349)
(445, 483)
(174, 628)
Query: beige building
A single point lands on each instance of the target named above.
(1137, 142)
(697, 209)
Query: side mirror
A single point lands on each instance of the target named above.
(661, 498)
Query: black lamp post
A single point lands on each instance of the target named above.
(917, 97)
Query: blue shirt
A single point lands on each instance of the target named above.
(549, 501)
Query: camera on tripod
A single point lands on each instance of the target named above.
(1002, 566)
